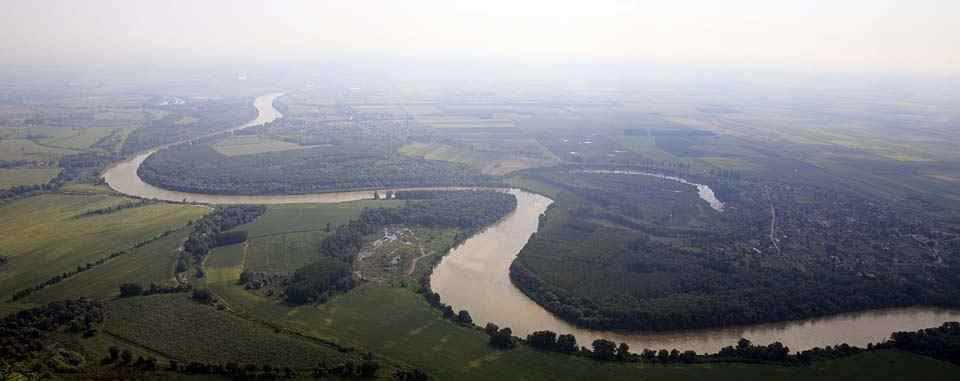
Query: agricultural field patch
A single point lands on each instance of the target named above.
(443, 152)
(489, 159)
(184, 329)
(77, 138)
(22, 149)
(26, 176)
(281, 219)
(224, 264)
(249, 145)
(43, 237)
(80, 188)
(283, 252)
(151, 263)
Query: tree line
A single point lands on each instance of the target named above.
(210, 231)
(135, 289)
(939, 342)
(113, 209)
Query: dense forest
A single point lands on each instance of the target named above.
(22, 333)
(318, 281)
(638, 252)
(201, 169)
(467, 211)
(941, 342)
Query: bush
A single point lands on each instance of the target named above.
(130, 289)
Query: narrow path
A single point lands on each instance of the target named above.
(413, 265)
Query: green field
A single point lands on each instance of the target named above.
(174, 325)
(86, 189)
(492, 159)
(76, 138)
(21, 149)
(286, 237)
(437, 151)
(224, 264)
(26, 176)
(43, 238)
(285, 252)
(151, 263)
(249, 145)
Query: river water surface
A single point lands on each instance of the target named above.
(476, 275)
(704, 191)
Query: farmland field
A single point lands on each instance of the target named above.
(151, 263)
(280, 219)
(443, 152)
(26, 176)
(175, 325)
(21, 149)
(252, 145)
(34, 233)
(78, 139)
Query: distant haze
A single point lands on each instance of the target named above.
(875, 35)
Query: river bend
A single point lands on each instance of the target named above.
(476, 275)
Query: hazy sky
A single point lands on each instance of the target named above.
(914, 35)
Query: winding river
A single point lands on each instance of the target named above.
(475, 275)
(703, 191)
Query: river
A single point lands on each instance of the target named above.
(475, 275)
(703, 191)
(122, 176)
